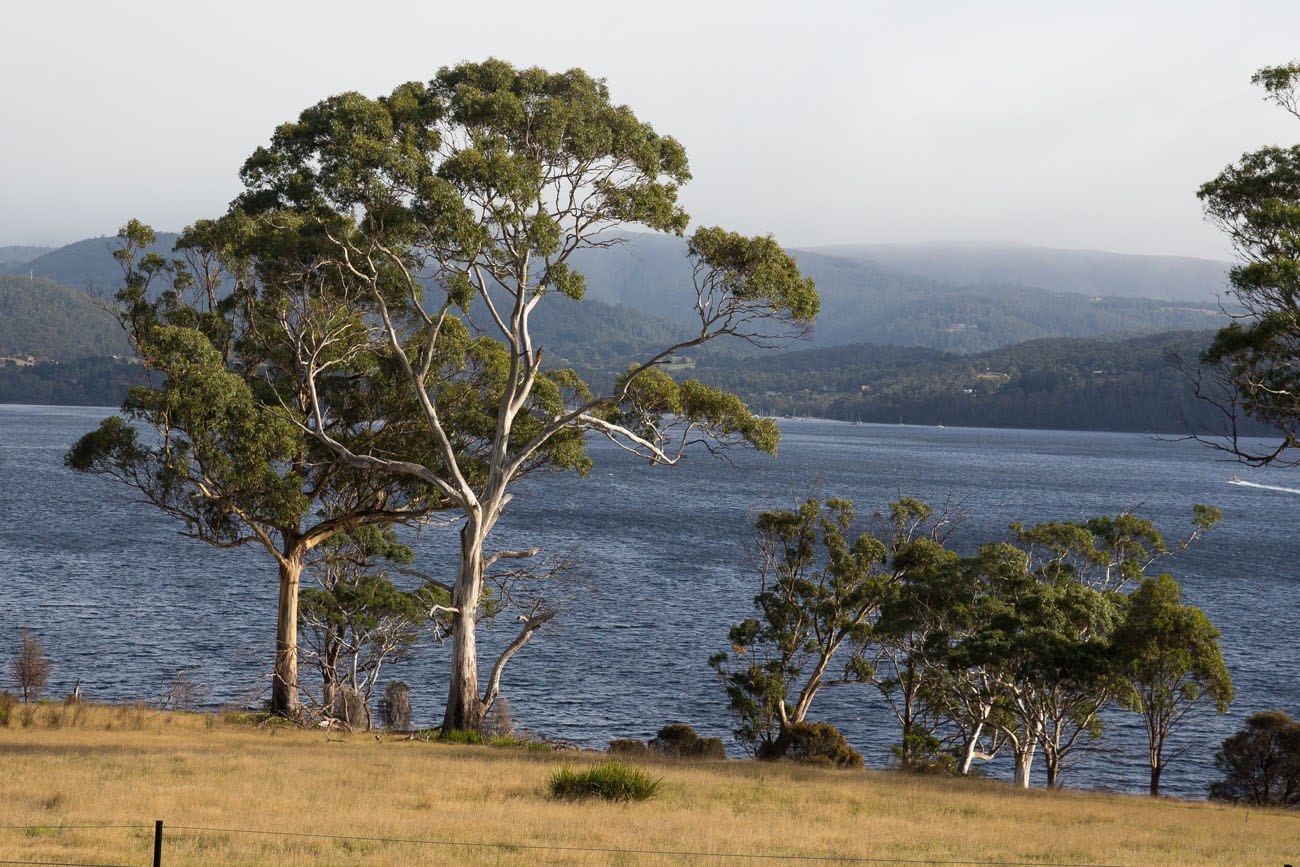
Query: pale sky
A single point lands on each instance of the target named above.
(1078, 124)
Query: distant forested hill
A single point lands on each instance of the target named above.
(40, 317)
(85, 382)
(89, 264)
(1086, 272)
(1125, 385)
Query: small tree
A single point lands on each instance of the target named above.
(1057, 667)
(908, 639)
(1172, 665)
(31, 666)
(1043, 644)
(214, 439)
(357, 620)
(1261, 763)
(818, 591)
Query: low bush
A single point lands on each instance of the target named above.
(610, 781)
(923, 753)
(628, 747)
(681, 741)
(813, 743)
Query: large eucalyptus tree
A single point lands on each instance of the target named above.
(215, 439)
(1252, 368)
(453, 208)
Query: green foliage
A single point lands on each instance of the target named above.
(1171, 653)
(1261, 763)
(1170, 663)
(922, 753)
(221, 440)
(753, 274)
(1020, 644)
(608, 781)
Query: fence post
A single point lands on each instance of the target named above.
(157, 843)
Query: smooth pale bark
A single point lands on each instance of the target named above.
(1156, 768)
(1024, 764)
(464, 707)
(969, 750)
(530, 626)
(284, 685)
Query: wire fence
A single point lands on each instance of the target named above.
(162, 833)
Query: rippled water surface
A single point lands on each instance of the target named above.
(122, 601)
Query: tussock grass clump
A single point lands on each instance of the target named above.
(462, 736)
(610, 781)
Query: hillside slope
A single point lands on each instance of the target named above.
(42, 318)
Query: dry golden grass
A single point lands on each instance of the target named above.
(130, 766)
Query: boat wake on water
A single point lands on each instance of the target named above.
(1236, 481)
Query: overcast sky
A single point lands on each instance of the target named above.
(1068, 124)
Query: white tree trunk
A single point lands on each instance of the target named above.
(969, 750)
(464, 708)
(1024, 764)
(284, 684)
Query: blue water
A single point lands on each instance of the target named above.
(122, 601)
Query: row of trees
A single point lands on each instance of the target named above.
(1017, 648)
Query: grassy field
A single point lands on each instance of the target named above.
(97, 765)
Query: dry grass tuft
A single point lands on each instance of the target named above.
(131, 765)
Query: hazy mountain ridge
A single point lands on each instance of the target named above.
(866, 301)
(88, 264)
(643, 298)
(15, 256)
(1087, 272)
